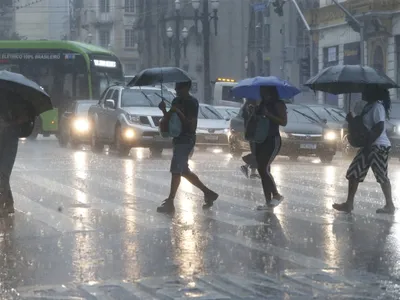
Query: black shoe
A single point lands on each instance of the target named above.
(209, 199)
(389, 210)
(167, 206)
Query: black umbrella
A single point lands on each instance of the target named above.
(345, 79)
(159, 75)
(26, 89)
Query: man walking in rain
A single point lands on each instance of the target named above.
(12, 116)
(187, 109)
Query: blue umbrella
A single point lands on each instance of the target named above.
(250, 87)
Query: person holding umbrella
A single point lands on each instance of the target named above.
(14, 113)
(272, 110)
(374, 145)
(375, 153)
(187, 109)
(21, 100)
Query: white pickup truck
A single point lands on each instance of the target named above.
(128, 117)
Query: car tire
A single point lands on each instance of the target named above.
(97, 146)
(156, 152)
(36, 129)
(326, 158)
(191, 153)
(122, 150)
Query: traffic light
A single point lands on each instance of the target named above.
(305, 67)
(278, 7)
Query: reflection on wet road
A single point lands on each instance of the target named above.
(86, 227)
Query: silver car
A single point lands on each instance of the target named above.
(128, 117)
(212, 128)
(228, 112)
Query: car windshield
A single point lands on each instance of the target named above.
(299, 116)
(307, 113)
(83, 107)
(228, 112)
(328, 113)
(209, 112)
(144, 97)
(395, 111)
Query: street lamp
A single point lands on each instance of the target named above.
(170, 32)
(177, 5)
(196, 4)
(205, 18)
(178, 43)
(185, 33)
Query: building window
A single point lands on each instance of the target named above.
(130, 6)
(104, 6)
(130, 38)
(104, 38)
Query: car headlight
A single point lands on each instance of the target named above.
(129, 133)
(330, 136)
(81, 125)
(133, 118)
(226, 130)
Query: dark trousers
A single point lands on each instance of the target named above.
(250, 159)
(8, 151)
(265, 155)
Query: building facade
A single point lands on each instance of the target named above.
(109, 24)
(7, 18)
(227, 48)
(279, 45)
(45, 19)
(339, 40)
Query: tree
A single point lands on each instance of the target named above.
(5, 35)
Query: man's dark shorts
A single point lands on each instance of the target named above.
(182, 147)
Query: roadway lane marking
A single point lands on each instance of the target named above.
(56, 220)
(142, 219)
(273, 250)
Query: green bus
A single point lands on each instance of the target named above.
(67, 70)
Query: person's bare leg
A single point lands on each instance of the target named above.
(349, 204)
(389, 207)
(175, 182)
(209, 195)
(168, 204)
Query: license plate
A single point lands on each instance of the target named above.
(211, 137)
(308, 146)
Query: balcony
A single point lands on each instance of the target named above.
(104, 19)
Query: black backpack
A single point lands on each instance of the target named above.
(358, 132)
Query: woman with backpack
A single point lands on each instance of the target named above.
(375, 151)
(274, 109)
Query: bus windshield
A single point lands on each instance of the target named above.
(106, 71)
(61, 73)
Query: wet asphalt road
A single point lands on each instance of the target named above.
(86, 228)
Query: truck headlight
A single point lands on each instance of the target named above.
(226, 130)
(330, 136)
(129, 134)
(81, 125)
(133, 118)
